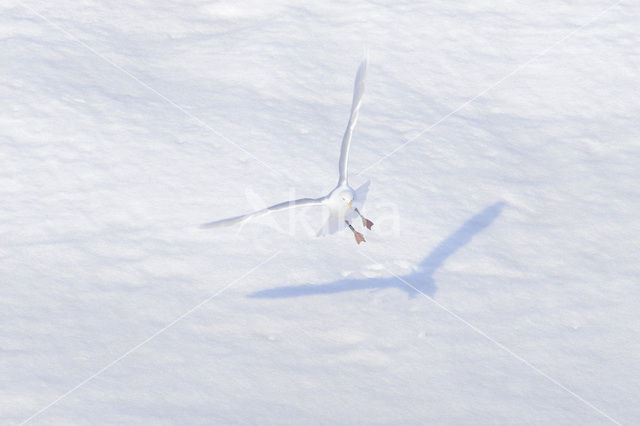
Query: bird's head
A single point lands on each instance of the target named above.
(347, 198)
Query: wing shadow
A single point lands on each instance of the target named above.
(421, 278)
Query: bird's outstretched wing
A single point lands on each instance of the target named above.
(361, 194)
(358, 90)
(276, 207)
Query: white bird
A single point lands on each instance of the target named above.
(343, 201)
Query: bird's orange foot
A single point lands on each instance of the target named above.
(359, 237)
(367, 223)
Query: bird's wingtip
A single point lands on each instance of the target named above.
(362, 69)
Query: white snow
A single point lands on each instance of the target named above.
(125, 125)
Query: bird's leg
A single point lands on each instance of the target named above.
(359, 236)
(365, 222)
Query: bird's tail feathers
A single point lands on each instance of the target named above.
(331, 226)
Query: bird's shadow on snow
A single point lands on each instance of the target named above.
(421, 278)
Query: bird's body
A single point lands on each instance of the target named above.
(337, 198)
(343, 201)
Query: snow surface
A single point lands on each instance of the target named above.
(125, 125)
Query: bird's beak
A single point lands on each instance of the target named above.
(349, 204)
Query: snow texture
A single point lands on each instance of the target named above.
(500, 282)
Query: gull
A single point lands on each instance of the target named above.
(343, 201)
